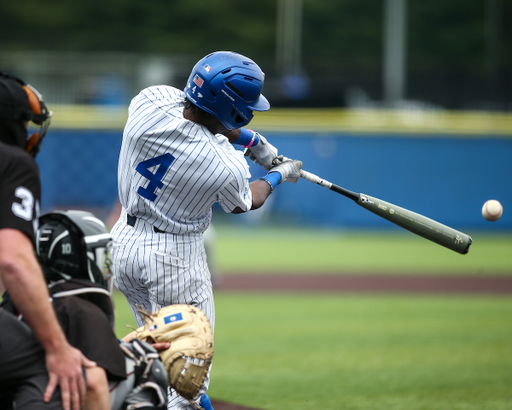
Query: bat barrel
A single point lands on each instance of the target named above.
(418, 224)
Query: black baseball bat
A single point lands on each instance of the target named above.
(416, 223)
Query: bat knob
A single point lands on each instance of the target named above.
(279, 160)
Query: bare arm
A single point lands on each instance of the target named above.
(287, 170)
(233, 135)
(23, 279)
(260, 192)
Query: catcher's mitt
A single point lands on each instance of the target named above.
(189, 332)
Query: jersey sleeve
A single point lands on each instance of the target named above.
(236, 195)
(237, 192)
(20, 191)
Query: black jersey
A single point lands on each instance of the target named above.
(86, 314)
(20, 190)
(88, 329)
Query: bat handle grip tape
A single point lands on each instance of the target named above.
(308, 176)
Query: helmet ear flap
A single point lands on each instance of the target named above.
(34, 102)
(38, 114)
(32, 142)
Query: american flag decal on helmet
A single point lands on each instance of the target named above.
(198, 81)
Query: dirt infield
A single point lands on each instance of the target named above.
(458, 284)
(222, 405)
(428, 284)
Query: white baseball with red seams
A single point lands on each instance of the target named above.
(492, 210)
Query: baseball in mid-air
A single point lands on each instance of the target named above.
(492, 210)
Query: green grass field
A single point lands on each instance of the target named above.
(373, 352)
(358, 352)
(267, 250)
(385, 352)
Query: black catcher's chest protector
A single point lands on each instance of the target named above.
(87, 290)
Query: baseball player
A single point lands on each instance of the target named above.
(72, 247)
(176, 161)
(35, 357)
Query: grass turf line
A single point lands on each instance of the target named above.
(306, 251)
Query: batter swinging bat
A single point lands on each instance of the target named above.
(416, 223)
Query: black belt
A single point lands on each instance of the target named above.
(130, 220)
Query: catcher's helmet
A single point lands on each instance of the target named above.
(228, 86)
(74, 244)
(20, 103)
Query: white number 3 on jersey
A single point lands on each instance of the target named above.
(25, 210)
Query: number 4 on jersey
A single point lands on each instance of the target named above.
(162, 164)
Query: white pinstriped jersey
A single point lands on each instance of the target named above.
(171, 170)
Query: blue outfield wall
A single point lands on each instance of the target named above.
(444, 177)
(79, 168)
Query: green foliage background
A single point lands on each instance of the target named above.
(337, 34)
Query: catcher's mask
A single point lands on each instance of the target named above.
(228, 86)
(20, 103)
(74, 244)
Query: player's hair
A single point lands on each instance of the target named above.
(195, 109)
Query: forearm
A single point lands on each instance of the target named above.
(23, 279)
(260, 192)
(233, 135)
(288, 170)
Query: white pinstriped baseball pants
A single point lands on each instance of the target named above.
(159, 269)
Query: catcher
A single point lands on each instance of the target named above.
(189, 356)
(73, 249)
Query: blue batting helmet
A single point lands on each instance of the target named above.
(228, 86)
